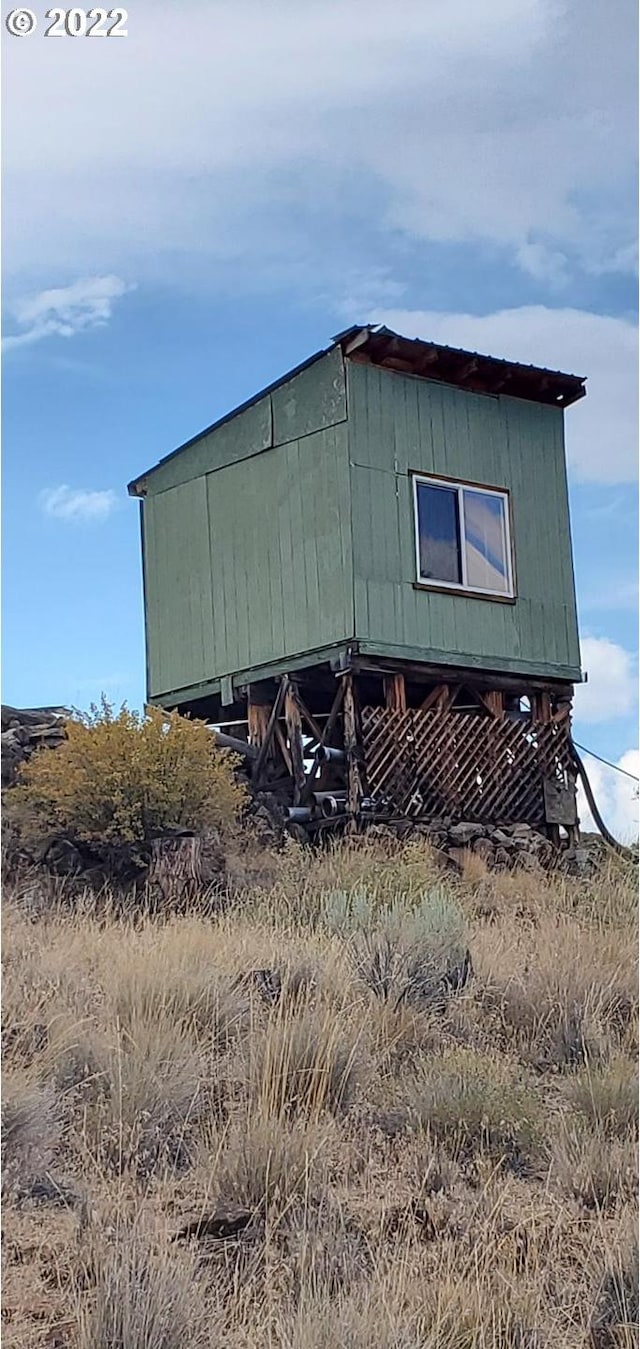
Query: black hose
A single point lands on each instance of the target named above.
(619, 848)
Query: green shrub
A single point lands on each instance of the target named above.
(399, 949)
(462, 1097)
(430, 917)
(127, 777)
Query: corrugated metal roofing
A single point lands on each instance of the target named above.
(466, 369)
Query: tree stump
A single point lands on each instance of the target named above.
(176, 869)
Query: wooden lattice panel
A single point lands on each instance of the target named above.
(463, 765)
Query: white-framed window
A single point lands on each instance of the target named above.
(463, 537)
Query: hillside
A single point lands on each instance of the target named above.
(355, 1100)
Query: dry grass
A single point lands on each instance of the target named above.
(449, 1171)
(142, 1296)
(476, 1102)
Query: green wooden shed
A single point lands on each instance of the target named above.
(364, 574)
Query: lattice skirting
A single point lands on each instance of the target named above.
(462, 765)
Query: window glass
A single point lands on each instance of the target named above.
(439, 534)
(486, 556)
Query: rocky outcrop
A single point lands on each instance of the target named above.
(501, 847)
(25, 730)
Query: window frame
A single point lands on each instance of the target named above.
(459, 486)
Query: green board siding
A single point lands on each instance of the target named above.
(397, 424)
(247, 434)
(178, 587)
(312, 401)
(270, 542)
(315, 399)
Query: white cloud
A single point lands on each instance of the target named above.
(510, 122)
(615, 593)
(65, 310)
(601, 430)
(616, 796)
(77, 504)
(611, 689)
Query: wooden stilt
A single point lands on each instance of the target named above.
(493, 700)
(351, 745)
(395, 693)
(270, 731)
(542, 707)
(294, 733)
(258, 709)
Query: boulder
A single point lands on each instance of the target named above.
(483, 848)
(501, 860)
(465, 832)
(27, 729)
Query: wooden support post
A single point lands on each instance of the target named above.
(395, 693)
(294, 733)
(258, 709)
(352, 746)
(541, 708)
(493, 700)
(270, 730)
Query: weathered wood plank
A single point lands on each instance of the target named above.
(294, 732)
(284, 748)
(351, 744)
(493, 700)
(395, 693)
(434, 698)
(271, 725)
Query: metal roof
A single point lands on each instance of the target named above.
(380, 346)
(469, 370)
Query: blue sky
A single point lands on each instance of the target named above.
(193, 209)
